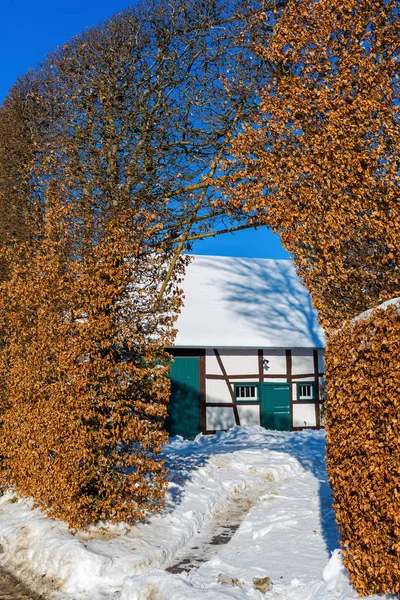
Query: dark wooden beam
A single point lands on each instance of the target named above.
(230, 405)
(302, 375)
(316, 375)
(225, 376)
(245, 376)
(288, 354)
(186, 351)
(202, 392)
(260, 365)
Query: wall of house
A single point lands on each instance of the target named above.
(225, 367)
(273, 371)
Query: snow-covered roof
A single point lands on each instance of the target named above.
(246, 302)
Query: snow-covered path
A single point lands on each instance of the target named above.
(270, 487)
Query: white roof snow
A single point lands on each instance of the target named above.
(246, 302)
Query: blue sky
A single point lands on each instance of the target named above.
(30, 29)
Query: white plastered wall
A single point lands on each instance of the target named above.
(245, 361)
(302, 361)
(249, 415)
(304, 415)
(235, 361)
(276, 362)
(218, 391)
(218, 417)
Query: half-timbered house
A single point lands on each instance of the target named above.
(249, 349)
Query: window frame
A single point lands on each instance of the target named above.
(247, 400)
(313, 398)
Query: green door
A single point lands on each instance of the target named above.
(183, 409)
(275, 406)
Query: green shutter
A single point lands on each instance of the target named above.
(275, 406)
(183, 409)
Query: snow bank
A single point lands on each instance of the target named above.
(286, 534)
(367, 313)
(159, 585)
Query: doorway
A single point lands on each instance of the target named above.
(275, 406)
(183, 409)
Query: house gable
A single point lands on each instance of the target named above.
(254, 333)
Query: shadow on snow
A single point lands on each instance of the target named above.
(308, 449)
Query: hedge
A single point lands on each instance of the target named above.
(363, 452)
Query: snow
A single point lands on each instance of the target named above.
(246, 302)
(243, 505)
(367, 313)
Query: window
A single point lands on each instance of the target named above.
(306, 392)
(246, 392)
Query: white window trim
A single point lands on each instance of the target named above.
(311, 395)
(241, 387)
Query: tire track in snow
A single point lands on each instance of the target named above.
(220, 529)
(13, 589)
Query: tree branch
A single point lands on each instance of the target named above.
(220, 232)
(192, 220)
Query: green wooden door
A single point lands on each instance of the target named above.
(275, 406)
(183, 409)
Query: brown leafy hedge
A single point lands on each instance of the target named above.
(363, 418)
(83, 386)
(319, 165)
